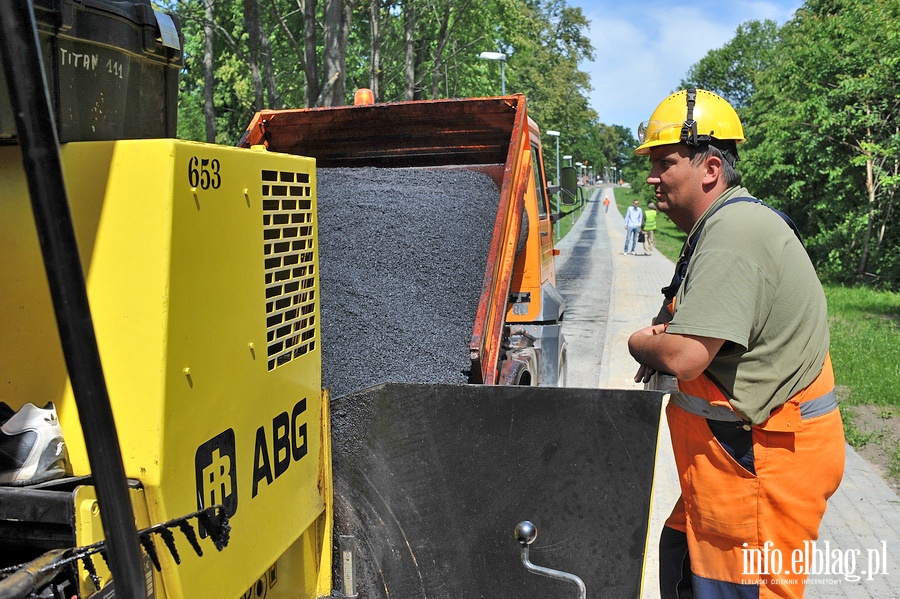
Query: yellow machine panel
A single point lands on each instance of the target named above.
(202, 272)
(89, 529)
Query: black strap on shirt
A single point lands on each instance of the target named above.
(682, 265)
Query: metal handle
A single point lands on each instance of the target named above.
(526, 533)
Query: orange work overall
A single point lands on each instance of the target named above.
(744, 527)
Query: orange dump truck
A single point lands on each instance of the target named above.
(517, 337)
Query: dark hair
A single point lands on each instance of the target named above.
(726, 151)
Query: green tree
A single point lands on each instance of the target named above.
(545, 41)
(617, 145)
(731, 70)
(216, 88)
(241, 56)
(824, 136)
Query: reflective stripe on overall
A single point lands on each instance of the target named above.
(742, 524)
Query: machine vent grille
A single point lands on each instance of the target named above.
(290, 266)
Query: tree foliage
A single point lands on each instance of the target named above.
(824, 135)
(820, 102)
(245, 55)
(731, 71)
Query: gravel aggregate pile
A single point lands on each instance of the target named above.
(402, 254)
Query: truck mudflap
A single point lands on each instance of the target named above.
(431, 480)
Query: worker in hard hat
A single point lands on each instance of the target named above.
(755, 426)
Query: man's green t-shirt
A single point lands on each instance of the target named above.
(751, 283)
(650, 220)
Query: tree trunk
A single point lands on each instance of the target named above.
(867, 240)
(331, 53)
(271, 85)
(209, 82)
(443, 37)
(418, 89)
(309, 44)
(340, 91)
(409, 42)
(375, 47)
(254, 33)
(274, 96)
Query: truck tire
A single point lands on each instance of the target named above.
(516, 373)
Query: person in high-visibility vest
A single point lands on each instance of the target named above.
(755, 426)
(649, 228)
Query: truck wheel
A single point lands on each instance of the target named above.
(516, 373)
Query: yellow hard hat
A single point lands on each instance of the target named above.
(690, 116)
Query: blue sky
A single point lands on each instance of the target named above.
(643, 48)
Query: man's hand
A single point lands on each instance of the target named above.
(654, 329)
(644, 373)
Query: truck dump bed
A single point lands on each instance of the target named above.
(433, 133)
(485, 135)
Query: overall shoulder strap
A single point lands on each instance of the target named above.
(682, 265)
(783, 216)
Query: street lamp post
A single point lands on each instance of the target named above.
(556, 135)
(502, 58)
(569, 158)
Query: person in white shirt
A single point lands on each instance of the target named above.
(634, 217)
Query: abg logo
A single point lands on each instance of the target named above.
(216, 472)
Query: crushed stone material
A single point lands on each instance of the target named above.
(402, 255)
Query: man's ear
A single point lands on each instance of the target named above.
(713, 172)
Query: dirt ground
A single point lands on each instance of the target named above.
(878, 428)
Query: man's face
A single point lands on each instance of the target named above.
(675, 180)
(635, 203)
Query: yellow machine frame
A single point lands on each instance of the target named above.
(202, 272)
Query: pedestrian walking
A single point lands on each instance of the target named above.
(606, 204)
(755, 426)
(634, 216)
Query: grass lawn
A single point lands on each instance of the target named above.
(865, 343)
(865, 349)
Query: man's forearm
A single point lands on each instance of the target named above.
(684, 356)
(647, 348)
